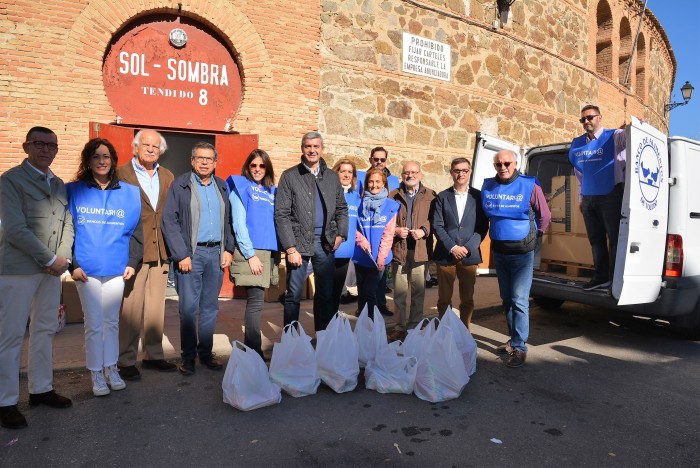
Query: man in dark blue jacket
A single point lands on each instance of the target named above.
(199, 235)
(460, 225)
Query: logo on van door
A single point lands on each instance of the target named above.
(649, 171)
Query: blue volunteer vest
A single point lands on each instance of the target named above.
(595, 160)
(373, 232)
(347, 248)
(259, 204)
(508, 207)
(104, 221)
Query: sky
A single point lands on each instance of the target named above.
(681, 21)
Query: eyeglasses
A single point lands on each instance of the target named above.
(410, 173)
(255, 166)
(203, 159)
(588, 118)
(40, 145)
(503, 164)
(378, 160)
(460, 171)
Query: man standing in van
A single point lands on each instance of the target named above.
(598, 156)
(519, 215)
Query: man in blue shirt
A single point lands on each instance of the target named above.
(599, 158)
(198, 235)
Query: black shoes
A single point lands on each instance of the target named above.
(160, 365)
(11, 418)
(50, 398)
(186, 368)
(385, 311)
(596, 284)
(212, 363)
(431, 282)
(129, 372)
(348, 298)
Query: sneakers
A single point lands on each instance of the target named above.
(99, 386)
(505, 348)
(11, 418)
(516, 358)
(113, 378)
(596, 284)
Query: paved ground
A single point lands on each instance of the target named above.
(596, 391)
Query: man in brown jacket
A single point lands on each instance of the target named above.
(412, 247)
(144, 293)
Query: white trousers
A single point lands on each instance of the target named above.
(35, 297)
(101, 298)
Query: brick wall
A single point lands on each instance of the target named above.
(335, 66)
(51, 68)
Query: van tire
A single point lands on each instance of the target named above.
(547, 303)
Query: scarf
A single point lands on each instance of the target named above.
(373, 203)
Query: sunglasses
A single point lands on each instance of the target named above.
(588, 118)
(503, 164)
(460, 171)
(379, 160)
(254, 166)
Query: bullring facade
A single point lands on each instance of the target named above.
(521, 73)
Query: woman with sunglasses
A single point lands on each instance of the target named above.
(347, 173)
(256, 258)
(107, 249)
(374, 238)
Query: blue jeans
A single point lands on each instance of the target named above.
(514, 274)
(601, 214)
(324, 265)
(198, 292)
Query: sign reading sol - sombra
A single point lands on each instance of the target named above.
(167, 74)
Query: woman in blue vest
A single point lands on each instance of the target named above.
(256, 258)
(347, 173)
(107, 249)
(375, 235)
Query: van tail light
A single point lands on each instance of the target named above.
(674, 255)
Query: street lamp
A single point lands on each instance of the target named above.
(687, 92)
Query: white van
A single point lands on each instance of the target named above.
(657, 271)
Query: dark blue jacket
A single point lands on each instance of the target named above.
(450, 232)
(177, 218)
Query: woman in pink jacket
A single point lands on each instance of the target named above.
(376, 221)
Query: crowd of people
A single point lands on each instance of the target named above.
(119, 229)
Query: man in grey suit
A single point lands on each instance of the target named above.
(460, 225)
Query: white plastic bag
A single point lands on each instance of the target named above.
(387, 372)
(336, 355)
(293, 364)
(365, 337)
(464, 340)
(441, 374)
(246, 382)
(417, 339)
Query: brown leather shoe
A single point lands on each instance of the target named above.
(212, 363)
(505, 348)
(11, 418)
(50, 398)
(396, 335)
(158, 364)
(516, 358)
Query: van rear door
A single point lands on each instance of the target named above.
(641, 244)
(482, 168)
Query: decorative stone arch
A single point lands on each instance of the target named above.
(604, 35)
(625, 54)
(101, 20)
(641, 67)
